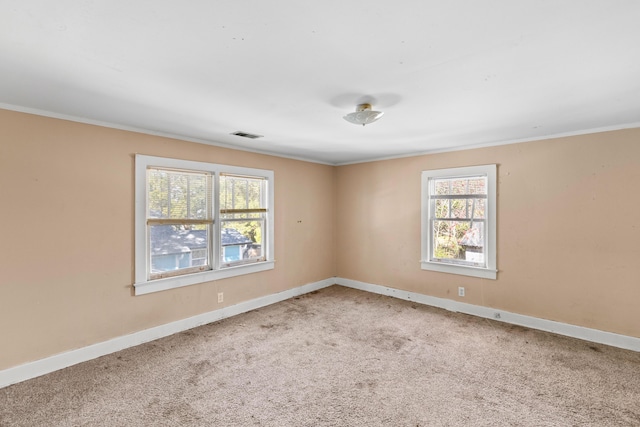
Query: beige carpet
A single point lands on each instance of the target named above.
(341, 357)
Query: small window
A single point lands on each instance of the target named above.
(197, 222)
(458, 221)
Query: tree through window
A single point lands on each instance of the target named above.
(196, 220)
(459, 220)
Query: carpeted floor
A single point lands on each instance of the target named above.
(341, 357)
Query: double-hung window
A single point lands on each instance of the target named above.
(243, 216)
(196, 222)
(459, 221)
(179, 221)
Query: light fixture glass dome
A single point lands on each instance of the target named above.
(363, 115)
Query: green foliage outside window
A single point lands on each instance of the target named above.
(243, 193)
(455, 212)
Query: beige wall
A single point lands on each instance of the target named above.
(567, 235)
(66, 269)
(568, 240)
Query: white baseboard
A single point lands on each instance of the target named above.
(69, 358)
(63, 360)
(587, 334)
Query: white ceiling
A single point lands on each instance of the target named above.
(447, 74)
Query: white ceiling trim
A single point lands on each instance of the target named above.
(83, 120)
(86, 121)
(498, 143)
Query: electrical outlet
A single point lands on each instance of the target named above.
(220, 297)
(460, 291)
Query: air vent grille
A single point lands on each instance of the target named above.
(247, 135)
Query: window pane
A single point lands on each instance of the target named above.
(479, 208)
(442, 208)
(441, 186)
(241, 241)
(458, 241)
(445, 239)
(242, 233)
(472, 243)
(239, 192)
(175, 247)
(178, 194)
(477, 185)
(459, 208)
(460, 186)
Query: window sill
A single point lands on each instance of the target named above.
(463, 270)
(158, 285)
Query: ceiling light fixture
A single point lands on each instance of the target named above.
(363, 115)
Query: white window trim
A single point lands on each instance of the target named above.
(490, 272)
(144, 286)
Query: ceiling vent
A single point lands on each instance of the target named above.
(247, 135)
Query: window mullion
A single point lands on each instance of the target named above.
(246, 194)
(216, 244)
(233, 193)
(466, 201)
(431, 217)
(169, 195)
(189, 197)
